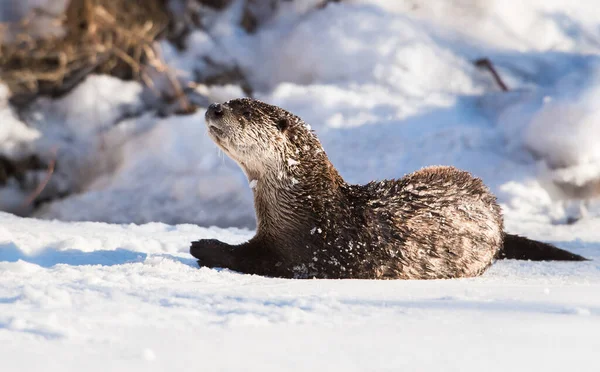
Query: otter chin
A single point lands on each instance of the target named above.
(438, 222)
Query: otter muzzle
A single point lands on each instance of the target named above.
(215, 110)
(214, 115)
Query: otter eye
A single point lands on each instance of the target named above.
(246, 114)
(282, 124)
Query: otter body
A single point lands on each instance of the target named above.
(438, 222)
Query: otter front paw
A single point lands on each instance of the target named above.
(212, 253)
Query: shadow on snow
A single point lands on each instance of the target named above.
(49, 257)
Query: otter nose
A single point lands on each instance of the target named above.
(216, 109)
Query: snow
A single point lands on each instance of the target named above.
(533, 25)
(13, 132)
(387, 92)
(90, 293)
(159, 177)
(389, 87)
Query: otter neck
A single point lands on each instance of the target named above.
(294, 200)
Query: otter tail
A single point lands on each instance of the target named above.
(520, 248)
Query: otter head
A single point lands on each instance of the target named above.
(291, 176)
(263, 139)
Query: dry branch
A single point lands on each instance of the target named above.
(485, 63)
(42, 185)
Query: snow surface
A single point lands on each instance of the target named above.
(93, 296)
(389, 87)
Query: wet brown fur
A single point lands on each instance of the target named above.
(438, 222)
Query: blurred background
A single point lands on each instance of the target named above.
(102, 101)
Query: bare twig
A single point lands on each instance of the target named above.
(485, 63)
(42, 185)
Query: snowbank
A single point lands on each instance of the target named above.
(535, 25)
(121, 163)
(169, 171)
(389, 87)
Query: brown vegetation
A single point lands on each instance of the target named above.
(103, 36)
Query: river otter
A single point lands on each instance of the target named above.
(438, 222)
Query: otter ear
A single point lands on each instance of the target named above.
(283, 124)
